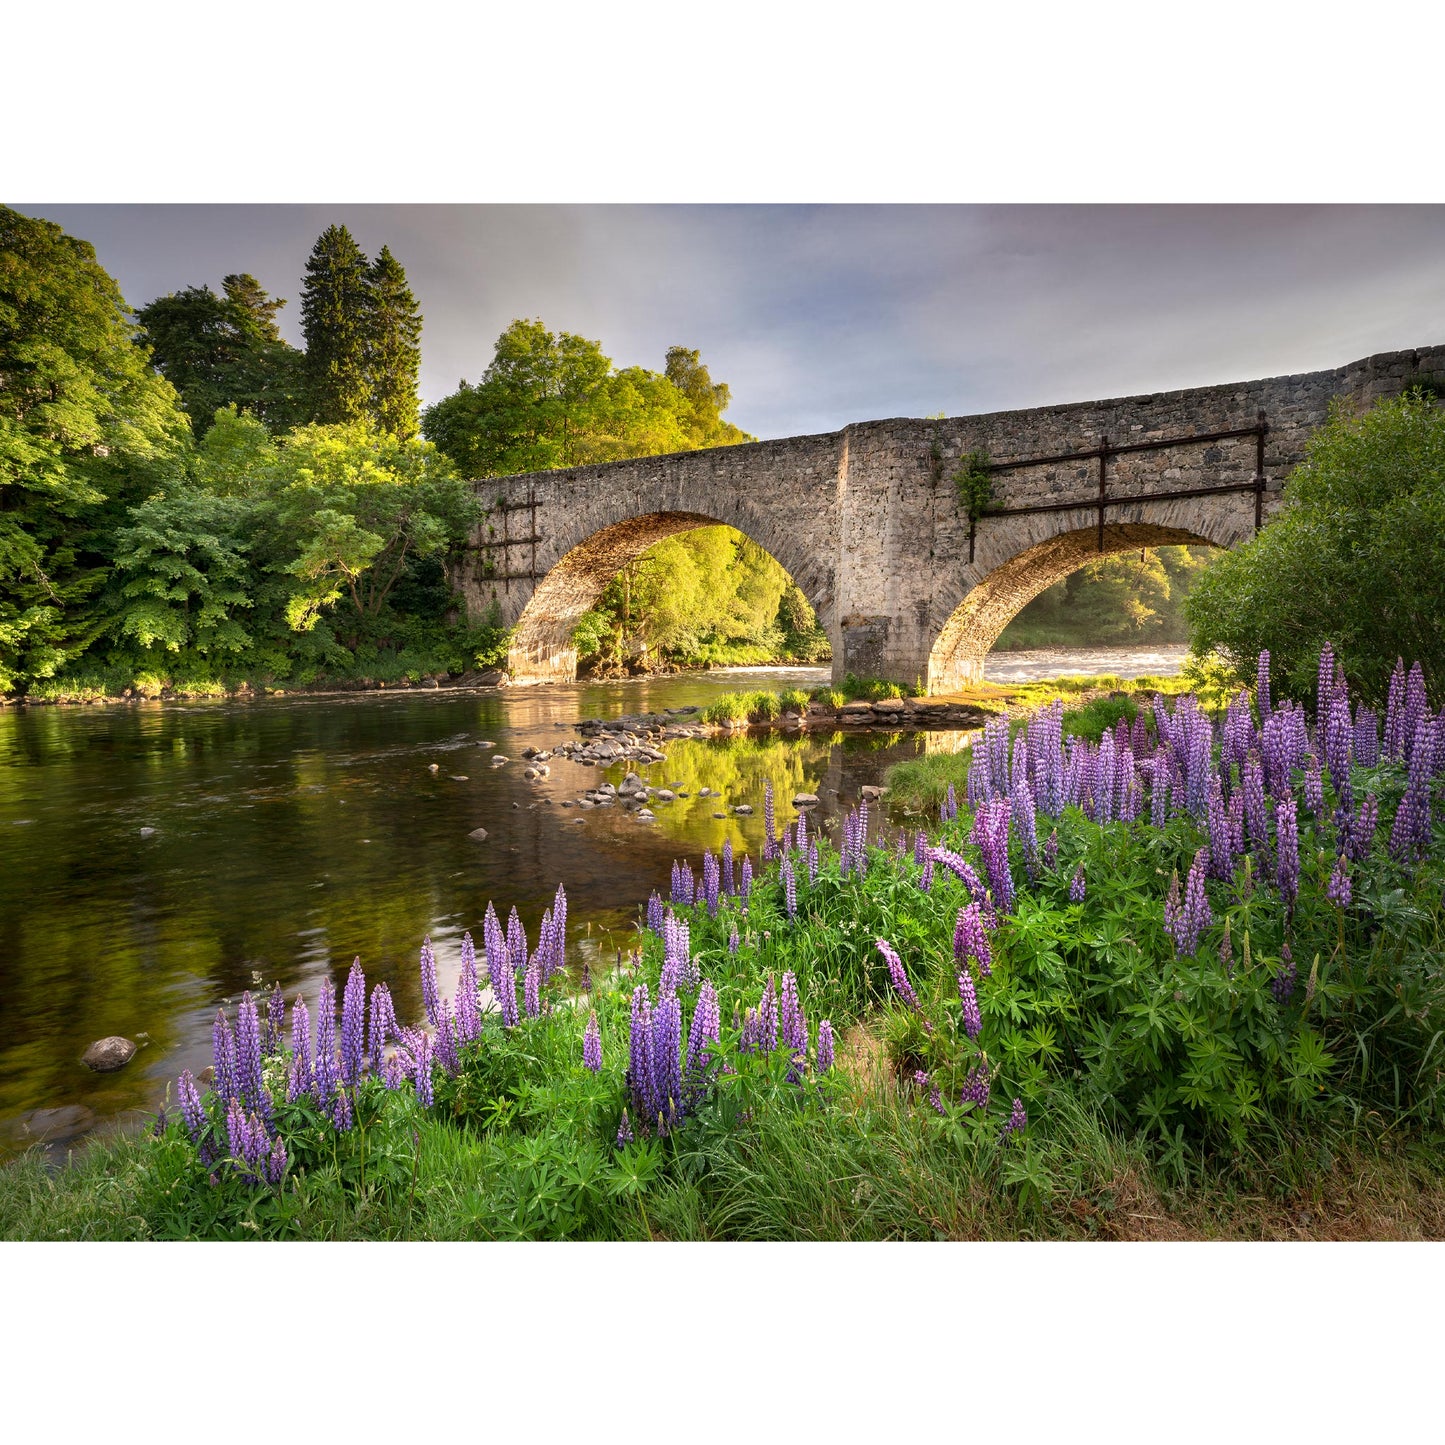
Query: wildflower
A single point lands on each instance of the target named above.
(532, 988)
(624, 1131)
(795, 1023)
(1262, 686)
(711, 882)
(972, 1020)
(971, 940)
(276, 1164)
(1338, 890)
(249, 1082)
(1226, 949)
(223, 1057)
(499, 970)
(342, 1118)
(747, 881)
(654, 912)
(431, 1000)
(990, 833)
(639, 1064)
(446, 1043)
(790, 887)
(976, 1087)
(1286, 830)
(768, 1020)
(1015, 1122)
(1362, 829)
(469, 1020)
(770, 842)
(425, 1095)
(353, 1025)
(825, 1047)
(813, 859)
(192, 1110)
(896, 972)
(1282, 984)
(925, 880)
(666, 1084)
(275, 1020)
(326, 1072)
(960, 869)
(556, 959)
(1051, 850)
(935, 1097)
(382, 1024)
(299, 1078)
(1076, 885)
(1194, 916)
(733, 940)
(592, 1045)
(727, 865)
(517, 954)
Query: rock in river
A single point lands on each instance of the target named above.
(108, 1054)
(478, 835)
(805, 800)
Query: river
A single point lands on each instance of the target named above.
(158, 859)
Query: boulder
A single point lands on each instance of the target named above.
(429, 682)
(498, 760)
(855, 709)
(107, 1055)
(889, 704)
(805, 800)
(478, 835)
(872, 792)
(743, 808)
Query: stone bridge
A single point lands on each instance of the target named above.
(869, 523)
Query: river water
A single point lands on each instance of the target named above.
(158, 859)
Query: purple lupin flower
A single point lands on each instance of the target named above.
(1255, 819)
(556, 959)
(747, 881)
(990, 834)
(342, 1119)
(1262, 686)
(276, 1163)
(896, 972)
(192, 1110)
(275, 1020)
(532, 988)
(353, 1026)
(1195, 915)
(666, 1091)
(977, 1087)
(972, 1019)
(468, 1013)
(1286, 832)
(1226, 949)
(813, 852)
(654, 912)
(795, 1024)
(706, 1030)
(1077, 884)
(1172, 907)
(223, 1057)
(959, 867)
(727, 865)
(768, 1017)
(1314, 787)
(250, 1084)
(499, 968)
(425, 1095)
(639, 1060)
(1051, 850)
(825, 1047)
(1016, 1121)
(920, 847)
(326, 1071)
(1282, 984)
(624, 1131)
(1324, 687)
(925, 879)
(382, 1025)
(431, 999)
(970, 939)
(1362, 829)
(238, 1130)
(750, 1035)
(711, 882)
(299, 1078)
(733, 940)
(1367, 737)
(518, 954)
(770, 841)
(592, 1045)
(790, 887)
(1338, 890)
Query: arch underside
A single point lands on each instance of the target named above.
(542, 649)
(957, 658)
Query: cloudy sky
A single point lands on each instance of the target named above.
(821, 315)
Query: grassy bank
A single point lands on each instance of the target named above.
(1258, 1060)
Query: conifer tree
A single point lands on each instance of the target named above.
(393, 348)
(335, 317)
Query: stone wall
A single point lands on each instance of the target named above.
(869, 525)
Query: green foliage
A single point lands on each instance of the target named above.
(554, 400)
(86, 428)
(336, 321)
(393, 348)
(974, 483)
(225, 351)
(1127, 597)
(1354, 557)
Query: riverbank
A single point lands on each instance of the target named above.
(1005, 1026)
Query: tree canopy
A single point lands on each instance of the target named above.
(1355, 557)
(555, 400)
(335, 318)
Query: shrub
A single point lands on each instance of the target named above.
(1355, 556)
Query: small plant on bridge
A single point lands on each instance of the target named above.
(974, 482)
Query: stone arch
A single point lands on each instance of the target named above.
(542, 649)
(973, 627)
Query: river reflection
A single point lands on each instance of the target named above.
(293, 834)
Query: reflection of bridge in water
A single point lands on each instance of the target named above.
(867, 520)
